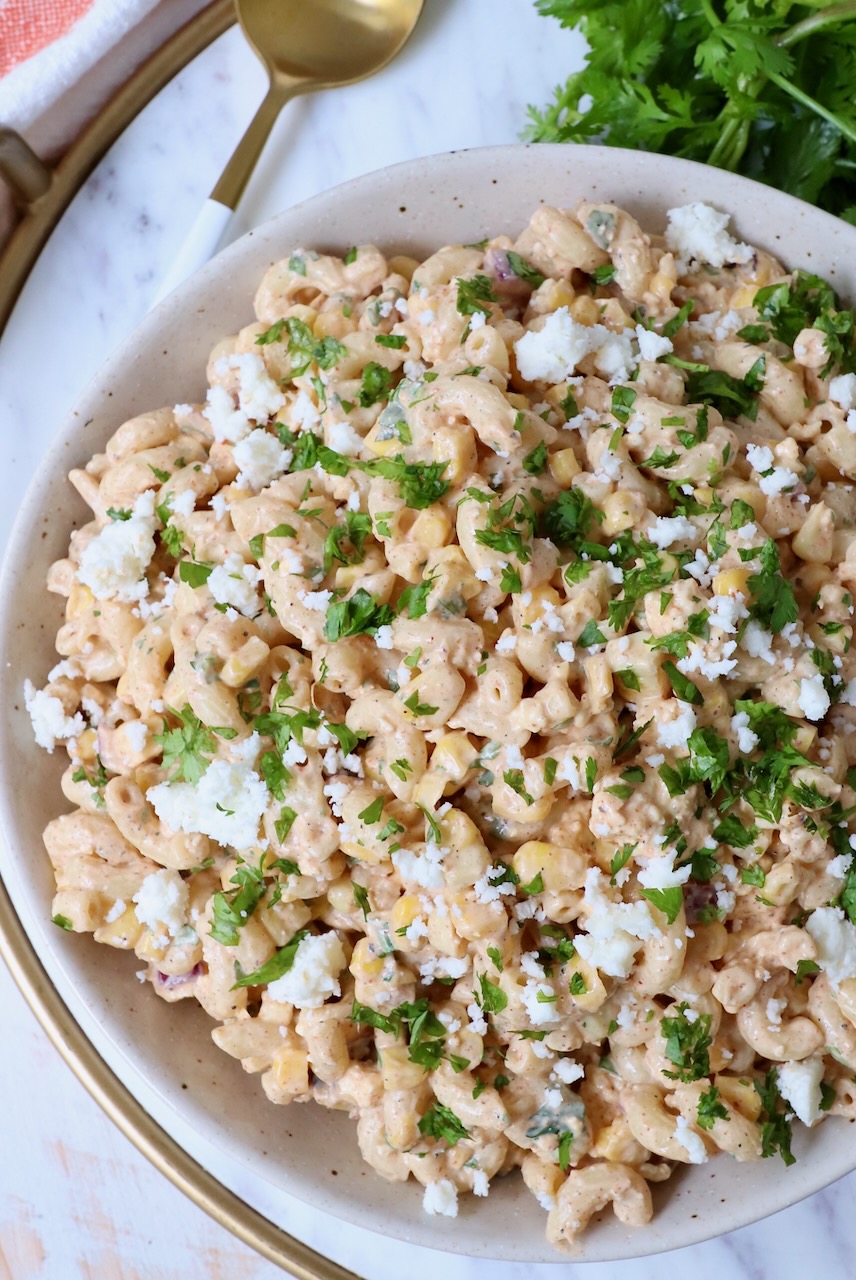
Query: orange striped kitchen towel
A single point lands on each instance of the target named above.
(47, 46)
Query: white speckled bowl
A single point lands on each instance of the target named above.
(413, 207)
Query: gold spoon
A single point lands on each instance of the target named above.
(305, 45)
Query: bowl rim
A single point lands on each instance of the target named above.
(17, 947)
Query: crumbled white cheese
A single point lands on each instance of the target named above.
(50, 723)
(813, 699)
(779, 479)
(568, 1071)
(667, 530)
(747, 740)
(565, 650)
(724, 612)
(507, 642)
(675, 733)
(383, 637)
(842, 390)
(117, 910)
(799, 1084)
(226, 804)
(614, 930)
(687, 1137)
(835, 939)
(342, 437)
(441, 1197)
(698, 233)
(540, 1011)
(303, 412)
(317, 601)
(552, 353)
(137, 734)
(219, 505)
(774, 1009)
(114, 563)
(183, 504)
(314, 974)
(849, 694)
(652, 345)
(423, 869)
(258, 395)
(260, 458)
(758, 643)
(661, 873)
(760, 457)
(234, 583)
(840, 866)
(161, 901)
(481, 1184)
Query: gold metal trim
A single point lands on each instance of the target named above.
(133, 1120)
(32, 232)
(17, 260)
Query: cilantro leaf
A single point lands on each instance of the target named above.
(473, 294)
(362, 614)
(774, 604)
(687, 1044)
(441, 1122)
(710, 1109)
(188, 747)
(760, 89)
(278, 965)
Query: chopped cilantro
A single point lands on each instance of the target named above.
(362, 614)
(710, 1109)
(687, 1044)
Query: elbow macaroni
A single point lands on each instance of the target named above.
(460, 705)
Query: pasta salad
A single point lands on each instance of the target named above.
(459, 704)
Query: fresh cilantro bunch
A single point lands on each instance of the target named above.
(762, 87)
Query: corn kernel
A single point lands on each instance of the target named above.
(584, 309)
(289, 1071)
(401, 264)
(79, 603)
(429, 790)
(405, 911)
(563, 466)
(730, 582)
(743, 297)
(364, 963)
(382, 448)
(804, 738)
(621, 510)
(397, 1071)
(431, 528)
(452, 756)
(614, 1142)
(539, 601)
(333, 324)
(532, 858)
(245, 662)
(123, 933)
(742, 1097)
(560, 295)
(340, 894)
(87, 746)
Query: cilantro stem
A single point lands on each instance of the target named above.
(710, 13)
(816, 22)
(818, 108)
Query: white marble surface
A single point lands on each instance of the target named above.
(76, 1200)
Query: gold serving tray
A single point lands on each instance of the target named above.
(45, 197)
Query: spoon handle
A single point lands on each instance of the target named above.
(209, 228)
